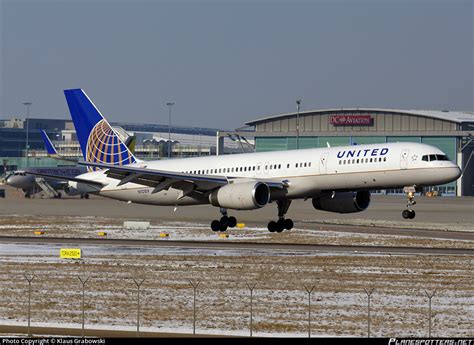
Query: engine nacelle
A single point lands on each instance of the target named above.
(241, 196)
(345, 202)
(71, 191)
(73, 188)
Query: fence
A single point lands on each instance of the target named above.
(251, 307)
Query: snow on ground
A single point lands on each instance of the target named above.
(339, 304)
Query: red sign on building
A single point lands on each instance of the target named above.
(351, 120)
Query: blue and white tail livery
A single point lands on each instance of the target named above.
(48, 144)
(100, 143)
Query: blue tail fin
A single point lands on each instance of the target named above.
(48, 144)
(99, 141)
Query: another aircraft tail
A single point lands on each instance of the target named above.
(99, 141)
(48, 144)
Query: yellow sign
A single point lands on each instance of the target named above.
(70, 253)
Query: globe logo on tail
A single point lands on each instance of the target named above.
(104, 146)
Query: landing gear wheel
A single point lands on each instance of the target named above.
(272, 226)
(406, 214)
(215, 225)
(231, 222)
(288, 224)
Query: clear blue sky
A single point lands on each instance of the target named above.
(227, 62)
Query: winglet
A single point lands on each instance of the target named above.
(48, 144)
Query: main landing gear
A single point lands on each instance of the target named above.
(282, 223)
(409, 213)
(224, 223)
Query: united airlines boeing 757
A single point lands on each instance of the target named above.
(337, 179)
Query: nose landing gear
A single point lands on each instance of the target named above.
(409, 213)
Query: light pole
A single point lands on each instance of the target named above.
(298, 104)
(28, 104)
(169, 104)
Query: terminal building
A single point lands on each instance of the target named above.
(151, 141)
(449, 131)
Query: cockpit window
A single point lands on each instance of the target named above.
(430, 158)
(442, 158)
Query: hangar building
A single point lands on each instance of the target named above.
(450, 131)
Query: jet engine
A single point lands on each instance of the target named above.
(241, 196)
(71, 191)
(344, 202)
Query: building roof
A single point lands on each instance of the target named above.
(447, 115)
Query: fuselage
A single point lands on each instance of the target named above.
(307, 172)
(26, 180)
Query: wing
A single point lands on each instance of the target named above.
(65, 178)
(162, 179)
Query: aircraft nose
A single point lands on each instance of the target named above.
(10, 180)
(456, 172)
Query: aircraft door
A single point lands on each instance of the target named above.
(404, 158)
(323, 163)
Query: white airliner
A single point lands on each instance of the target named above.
(337, 179)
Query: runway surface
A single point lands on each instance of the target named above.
(220, 245)
(440, 210)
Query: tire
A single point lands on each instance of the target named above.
(280, 225)
(222, 226)
(231, 222)
(272, 226)
(412, 214)
(215, 225)
(288, 224)
(406, 214)
(224, 221)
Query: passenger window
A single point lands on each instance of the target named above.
(309, 164)
(340, 162)
(296, 164)
(279, 166)
(305, 165)
(288, 166)
(357, 160)
(384, 159)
